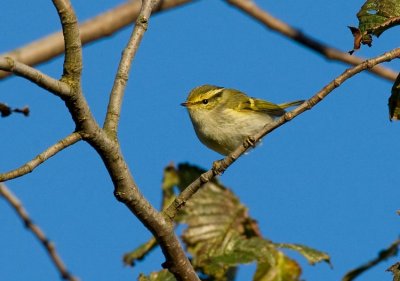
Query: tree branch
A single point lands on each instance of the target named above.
(251, 9)
(121, 78)
(383, 255)
(37, 232)
(42, 157)
(108, 148)
(223, 164)
(35, 76)
(93, 29)
(72, 42)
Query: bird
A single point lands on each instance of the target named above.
(224, 118)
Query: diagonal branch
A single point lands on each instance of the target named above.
(383, 255)
(35, 76)
(37, 232)
(93, 29)
(223, 164)
(42, 157)
(121, 78)
(251, 9)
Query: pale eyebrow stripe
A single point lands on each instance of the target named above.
(213, 93)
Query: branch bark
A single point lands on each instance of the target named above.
(107, 144)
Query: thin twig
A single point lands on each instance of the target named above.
(37, 232)
(223, 164)
(98, 27)
(383, 255)
(6, 110)
(121, 78)
(35, 76)
(42, 157)
(251, 9)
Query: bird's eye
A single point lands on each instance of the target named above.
(205, 101)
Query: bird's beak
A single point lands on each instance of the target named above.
(185, 104)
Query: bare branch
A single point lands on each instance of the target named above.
(107, 146)
(37, 232)
(220, 166)
(126, 189)
(383, 255)
(42, 157)
(42, 80)
(121, 78)
(93, 29)
(250, 8)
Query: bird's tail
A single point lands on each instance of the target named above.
(290, 104)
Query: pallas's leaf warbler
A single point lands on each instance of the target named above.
(223, 118)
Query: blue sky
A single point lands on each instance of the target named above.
(327, 179)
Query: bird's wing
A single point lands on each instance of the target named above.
(264, 106)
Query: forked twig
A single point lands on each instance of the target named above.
(49, 246)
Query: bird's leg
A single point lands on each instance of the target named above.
(249, 142)
(218, 167)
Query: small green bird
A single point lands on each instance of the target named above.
(223, 118)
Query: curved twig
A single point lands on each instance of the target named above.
(250, 8)
(37, 232)
(42, 157)
(223, 164)
(121, 78)
(35, 76)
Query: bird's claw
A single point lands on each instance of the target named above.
(218, 167)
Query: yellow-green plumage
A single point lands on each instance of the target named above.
(223, 118)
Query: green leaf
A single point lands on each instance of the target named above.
(313, 256)
(140, 252)
(217, 222)
(376, 16)
(285, 269)
(188, 173)
(163, 275)
(394, 101)
(220, 233)
(240, 250)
